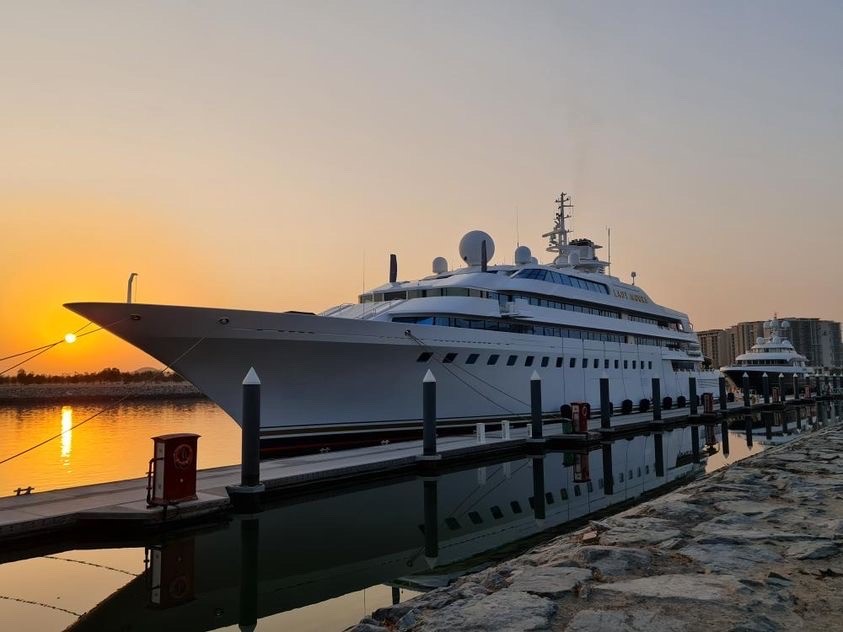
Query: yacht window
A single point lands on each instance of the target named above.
(496, 512)
(616, 364)
(649, 364)
(449, 357)
(545, 361)
(549, 498)
(584, 362)
(626, 364)
(639, 472)
(577, 491)
(563, 493)
(559, 363)
(424, 356)
(475, 517)
(599, 483)
(630, 475)
(590, 486)
(596, 362)
(606, 363)
(452, 523)
(472, 358)
(511, 360)
(634, 363)
(529, 361)
(646, 469)
(620, 477)
(493, 359)
(516, 508)
(573, 362)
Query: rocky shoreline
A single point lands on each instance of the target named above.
(755, 547)
(14, 394)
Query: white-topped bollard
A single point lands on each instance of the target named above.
(506, 432)
(481, 433)
(246, 496)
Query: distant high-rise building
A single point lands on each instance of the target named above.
(715, 344)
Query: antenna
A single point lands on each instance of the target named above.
(517, 233)
(558, 237)
(609, 247)
(634, 274)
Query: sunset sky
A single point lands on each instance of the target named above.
(270, 155)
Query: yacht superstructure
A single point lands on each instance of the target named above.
(482, 329)
(772, 354)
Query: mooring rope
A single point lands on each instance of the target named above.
(83, 562)
(101, 411)
(419, 342)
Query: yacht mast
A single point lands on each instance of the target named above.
(558, 237)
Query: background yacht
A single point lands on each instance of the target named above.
(772, 354)
(482, 329)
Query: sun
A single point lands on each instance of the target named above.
(70, 338)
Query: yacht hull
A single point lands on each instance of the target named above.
(756, 378)
(322, 375)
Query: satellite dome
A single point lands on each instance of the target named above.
(534, 261)
(785, 324)
(523, 255)
(574, 259)
(471, 246)
(759, 340)
(440, 265)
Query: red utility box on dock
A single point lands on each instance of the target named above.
(172, 471)
(580, 414)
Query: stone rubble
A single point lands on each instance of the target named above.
(754, 547)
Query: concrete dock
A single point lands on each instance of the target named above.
(123, 504)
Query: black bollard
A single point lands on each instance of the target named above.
(249, 543)
(657, 399)
(538, 490)
(658, 441)
(608, 470)
(429, 414)
(785, 415)
(246, 497)
(767, 418)
(748, 421)
(250, 469)
(745, 385)
(724, 436)
(396, 595)
(721, 383)
(799, 417)
(795, 386)
(605, 411)
(692, 395)
(765, 387)
(695, 443)
(536, 406)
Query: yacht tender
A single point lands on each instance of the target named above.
(482, 329)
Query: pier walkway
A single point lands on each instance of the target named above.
(123, 503)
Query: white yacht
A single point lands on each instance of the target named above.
(482, 329)
(772, 354)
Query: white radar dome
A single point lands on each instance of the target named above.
(471, 246)
(523, 255)
(759, 340)
(574, 259)
(534, 261)
(440, 265)
(785, 324)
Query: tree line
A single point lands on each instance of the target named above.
(106, 375)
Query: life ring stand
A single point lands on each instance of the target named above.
(183, 456)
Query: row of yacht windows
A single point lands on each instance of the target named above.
(509, 326)
(538, 329)
(544, 361)
(765, 362)
(516, 508)
(537, 274)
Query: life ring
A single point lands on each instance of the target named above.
(183, 456)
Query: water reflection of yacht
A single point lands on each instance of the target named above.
(772, 354)
(317, 549)
(484, 329)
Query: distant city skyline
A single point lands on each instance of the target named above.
(271, 155)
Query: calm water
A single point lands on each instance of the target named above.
(319, 563)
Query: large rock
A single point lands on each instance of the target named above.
(614, 561)
(624, 621)
(553, 581)
(727, 558)
(503, 611)
(691, 587)
(812, 550)
(632, 531)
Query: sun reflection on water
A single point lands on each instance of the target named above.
(67, 433)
